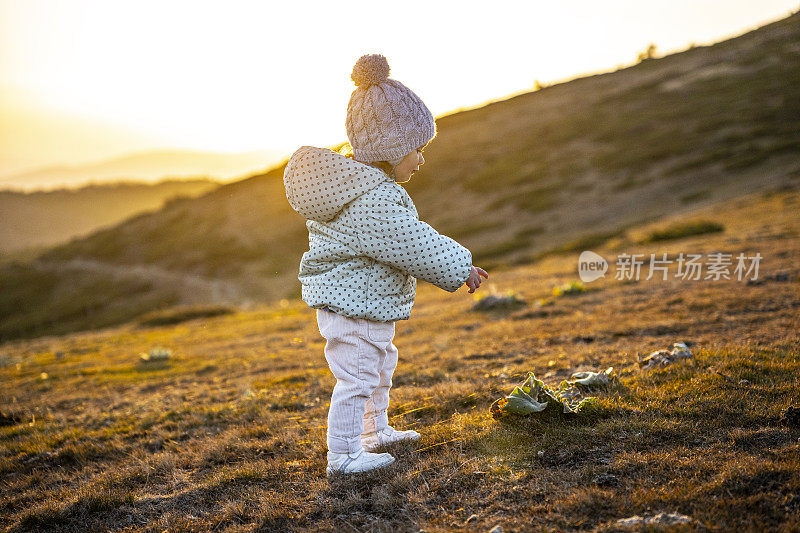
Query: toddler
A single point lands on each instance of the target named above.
(367, 248)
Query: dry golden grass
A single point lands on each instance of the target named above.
(228, 434)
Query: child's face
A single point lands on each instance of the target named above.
(409, 165)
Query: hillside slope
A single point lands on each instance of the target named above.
(229, 432)
(38, 219)
(560, 168)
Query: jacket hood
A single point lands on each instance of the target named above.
(319, 182)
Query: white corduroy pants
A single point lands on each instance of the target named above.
(362, 357)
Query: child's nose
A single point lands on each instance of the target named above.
(421, 159)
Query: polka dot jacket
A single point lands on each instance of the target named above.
(367, 246)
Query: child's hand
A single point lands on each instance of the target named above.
(474, 280)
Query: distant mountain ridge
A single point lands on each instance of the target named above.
(146, 166)
(563, 168)
(39, 219)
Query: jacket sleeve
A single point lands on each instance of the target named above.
(390, 232)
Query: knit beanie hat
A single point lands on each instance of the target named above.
(385, 119)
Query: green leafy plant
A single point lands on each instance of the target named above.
(573, 287)
(533, 396)
(155, 355)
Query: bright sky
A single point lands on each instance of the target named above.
(238, 76)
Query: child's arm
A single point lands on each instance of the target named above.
(390, 233)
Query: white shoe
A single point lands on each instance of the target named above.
(389, 435)
(360, 461)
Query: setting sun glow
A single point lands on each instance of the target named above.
(243, 76)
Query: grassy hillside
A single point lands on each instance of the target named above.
(229, 432)
(562, 168)
(38, 219)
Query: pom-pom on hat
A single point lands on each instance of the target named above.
(385, 119)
